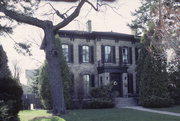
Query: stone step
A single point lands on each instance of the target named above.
(124, 102)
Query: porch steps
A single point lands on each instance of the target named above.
(125, 101)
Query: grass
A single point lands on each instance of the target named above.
(28, 114)
(116, 115)
(175, 109)
(97, 115)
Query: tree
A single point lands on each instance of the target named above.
(10, 92)
(174, 82)
(24, 15)
(10, 96)
(152, 74)
(4, 69)
(16, 70)
(34, 85)
(163, 16)
(44, 86)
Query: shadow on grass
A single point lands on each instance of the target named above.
(47, 118)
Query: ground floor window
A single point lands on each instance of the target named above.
(86, 80)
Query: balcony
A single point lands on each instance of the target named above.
(111, 67)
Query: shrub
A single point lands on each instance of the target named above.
(101, 97)
(157, 102)
(99, 103)
(10, 97)
(102, 92)
(3, 111)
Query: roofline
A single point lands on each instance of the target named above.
(96, 34)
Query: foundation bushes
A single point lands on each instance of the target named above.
(99, 103)
(101, 97)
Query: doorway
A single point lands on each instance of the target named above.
(116, 80)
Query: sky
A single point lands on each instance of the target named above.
(104, 20)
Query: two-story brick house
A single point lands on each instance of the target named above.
(98, 58)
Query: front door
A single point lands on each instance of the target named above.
(117, 84)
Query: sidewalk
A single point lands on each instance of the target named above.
(153, 111)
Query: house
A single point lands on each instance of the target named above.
(99, 58)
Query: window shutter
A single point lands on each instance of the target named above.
(120, 55)
(70, 54)
(130, 83)
(102, 53)
(130, 55)
(91, 54)
(113, 54)
(92, 83)
(136, 54)
(80, 53)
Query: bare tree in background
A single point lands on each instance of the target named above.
(16, 70)
(24, 15)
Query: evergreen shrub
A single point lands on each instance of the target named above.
(10, 98)
(101, 97)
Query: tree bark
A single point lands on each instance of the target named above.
(52, 56)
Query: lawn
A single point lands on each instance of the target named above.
(99, 115)
(37, 115)
(175, 109)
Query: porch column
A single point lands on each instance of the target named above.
(125, 84)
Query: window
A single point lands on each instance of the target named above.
(68, 52)
(108, 54)
(85, 53)
(86, 79)
(125, 55)
(65, 49)
(89, 82)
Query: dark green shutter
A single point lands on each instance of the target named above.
(113, 54)
(70, 54)
(120, 55)
(136, 54)
(91, 53)
(80, 53)
(130, 83)
(102, 53)
(92, 83)
(130, 55)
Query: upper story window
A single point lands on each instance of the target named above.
(68, 52)
(125, 55)
(85, 54)
(108, 54)
(65, 50)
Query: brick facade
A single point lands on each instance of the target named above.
(103, 72)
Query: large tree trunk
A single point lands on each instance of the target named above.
(55, 70)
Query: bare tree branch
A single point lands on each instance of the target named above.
(71, 17)
(57, 12)
(94, 7)
(22, 18)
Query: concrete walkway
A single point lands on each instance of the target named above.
(153, 111)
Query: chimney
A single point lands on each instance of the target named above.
(89, 26)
